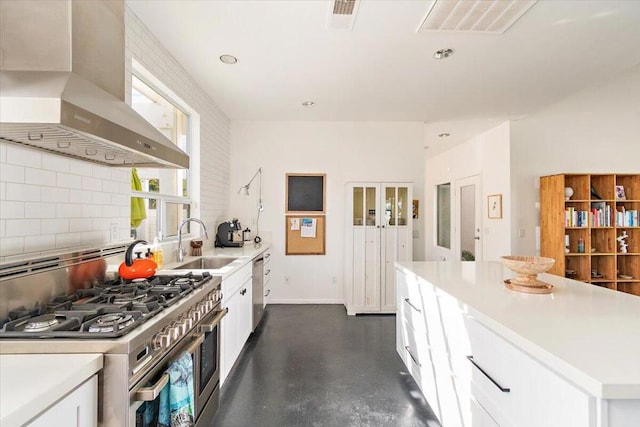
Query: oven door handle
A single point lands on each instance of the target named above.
(214, 322)
(147, 394)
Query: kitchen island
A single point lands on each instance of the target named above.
(486, 355)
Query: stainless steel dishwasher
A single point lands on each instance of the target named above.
(258, 284)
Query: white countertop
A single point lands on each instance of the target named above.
(587, 334)
(31, 383)
(243, 254)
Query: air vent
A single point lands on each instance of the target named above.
(475, 16)
(342, 14)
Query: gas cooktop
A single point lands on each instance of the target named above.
(109, 310)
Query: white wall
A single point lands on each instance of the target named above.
(345, 151)
(486, 155)
(50, 204)
(594, 131)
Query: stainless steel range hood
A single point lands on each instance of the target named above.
(62, 85)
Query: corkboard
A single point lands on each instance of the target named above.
(297, 245)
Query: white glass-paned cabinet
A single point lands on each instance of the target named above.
(378, 232)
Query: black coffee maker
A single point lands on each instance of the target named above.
(229, 235)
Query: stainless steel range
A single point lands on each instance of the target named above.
(141, 327)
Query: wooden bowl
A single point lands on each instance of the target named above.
(527, 269)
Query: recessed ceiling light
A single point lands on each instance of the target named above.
(443, 53)
(228, 59)
(308, 104)
(444, 135)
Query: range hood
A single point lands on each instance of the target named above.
(62, 85)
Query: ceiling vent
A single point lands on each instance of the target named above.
(342, 14)
(476, 16)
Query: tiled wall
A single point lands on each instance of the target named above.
(51, 204)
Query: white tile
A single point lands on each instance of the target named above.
(101, 224)
(81, 196)
(54, 162)
(39, 177)
(39, 210)
(54, 226)
(39, 243)
(11, 210)
(93, 238)
(11, 173)
(3, 190)
(11, 246)
(120, 199)
(23, 156)
(100, 198)
(68, 240)
(94, 184)
(3, 152)
(67, 180)
(91, 211)
(68, 210)
(80, 224)
(101, 172)
(121, 174)
(125, 188)
(109, 211)
(3, 227)
(55, 195)
(23, 227)
(110, 186)
(81, 167)
(23, 192)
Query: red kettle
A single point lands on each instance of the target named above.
(139, 268)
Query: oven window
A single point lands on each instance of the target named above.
(208, 358)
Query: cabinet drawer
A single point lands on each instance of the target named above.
(409, 303)
(232, 283)
(517, 390)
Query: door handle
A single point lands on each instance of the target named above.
(214, 322)
(502, 389)
(412, 306)
(477, 237)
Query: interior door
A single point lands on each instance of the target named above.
(469, 219)
(395, 239)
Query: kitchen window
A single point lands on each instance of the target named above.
(161, 198)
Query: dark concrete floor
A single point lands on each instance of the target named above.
(312, 365)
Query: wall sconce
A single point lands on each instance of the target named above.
(244, 190)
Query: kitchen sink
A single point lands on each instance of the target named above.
(205, 264)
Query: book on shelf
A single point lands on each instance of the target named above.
(576, 218)
(627, 218)
(600, 215)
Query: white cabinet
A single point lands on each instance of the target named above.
(267, 276)
(378, 232)
(79, 408)
(237, 324)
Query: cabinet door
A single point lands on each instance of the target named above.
(79, 408)
(229, 332)
(245, 309)
(365, 266)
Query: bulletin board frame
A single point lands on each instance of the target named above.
(305, 193)
(298, 245)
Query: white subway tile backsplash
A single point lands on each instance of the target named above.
(38, 210)
(101, 172)
(67, 180)
(3, 152)
(81, 196)
(100, 224)
(120, 174)
(68, 240)
(68, 210)
(55, 195)
(17, 155)
(54, 162)
(12, 246)
(80, 224)
(89, 183)
(100, 198)
(23, 227)
(3, 227)
(39, 177)
(80, 167)
(23, 192)
(3, 190)
(109, 211)
(110, 186)
(44, 242)
(93, 237)
(11, 210)
(54, 226)
(11, 173)
(120, 199)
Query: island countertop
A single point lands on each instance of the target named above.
(587, 334)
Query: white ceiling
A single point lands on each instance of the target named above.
(383, 69)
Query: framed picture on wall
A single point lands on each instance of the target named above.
(494, 203)
(305, 193)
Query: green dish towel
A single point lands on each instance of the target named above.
(138, 212)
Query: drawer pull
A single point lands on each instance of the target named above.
(406, 347)
(266, 273)
(412, 306)
(502, 389)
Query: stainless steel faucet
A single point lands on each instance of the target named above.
(181, 251)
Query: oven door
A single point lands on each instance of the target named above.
(207, 364)
(144, 400)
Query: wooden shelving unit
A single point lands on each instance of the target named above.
(598, 259)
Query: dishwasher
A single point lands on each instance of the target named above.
(258, 284)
